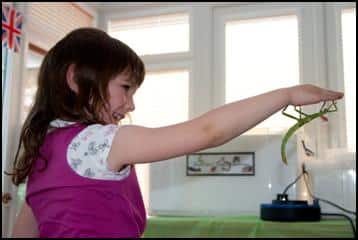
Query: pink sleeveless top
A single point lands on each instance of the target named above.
(66, 204)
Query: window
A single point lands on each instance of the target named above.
(349, 68)
(261, 55)
(153, 35)
(162, 99)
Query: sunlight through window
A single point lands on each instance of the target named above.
(153, 35)
(261, 55)
(162, 100)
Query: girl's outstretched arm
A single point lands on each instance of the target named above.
(134, 144)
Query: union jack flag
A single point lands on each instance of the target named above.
(11, 27)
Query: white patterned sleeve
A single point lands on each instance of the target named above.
(88, 152)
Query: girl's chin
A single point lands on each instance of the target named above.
(112, 121)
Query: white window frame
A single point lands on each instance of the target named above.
(197, 60)
(199, 54)
(11, 124)
(335, 74)
(163, 61)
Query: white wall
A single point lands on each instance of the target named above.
(174, 193)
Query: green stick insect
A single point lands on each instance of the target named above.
(302, 121)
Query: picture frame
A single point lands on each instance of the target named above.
(220, 164)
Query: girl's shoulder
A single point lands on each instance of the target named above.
(88, 148)
(59, 125)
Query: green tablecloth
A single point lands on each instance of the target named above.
(244, 226)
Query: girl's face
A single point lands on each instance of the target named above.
(121, 90)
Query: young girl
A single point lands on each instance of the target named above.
(80, 163)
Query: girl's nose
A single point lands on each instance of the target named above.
(131, 105)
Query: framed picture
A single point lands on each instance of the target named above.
(221, 164)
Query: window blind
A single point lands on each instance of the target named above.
(254, 66)
(148, 22)
(48, 22)
(167, 33)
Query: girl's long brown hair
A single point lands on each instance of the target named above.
(97, 58)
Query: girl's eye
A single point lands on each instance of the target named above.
(126, 87)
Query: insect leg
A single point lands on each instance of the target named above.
(289, 115)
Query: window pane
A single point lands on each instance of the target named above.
(349, 62)
(261, 55)
(153, 35)
(162, 99)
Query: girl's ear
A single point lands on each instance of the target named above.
(70, 78)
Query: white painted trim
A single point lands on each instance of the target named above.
(118, 15)
(6, 185)
(199, 48)
(167, 57)
(167, 66)
(313, 68)
(13, 124)
(218, 58)
(202, 42)
(113, 14)
(335, 70)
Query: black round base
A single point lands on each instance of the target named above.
(290, 211)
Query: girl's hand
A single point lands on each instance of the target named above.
(309, 94)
